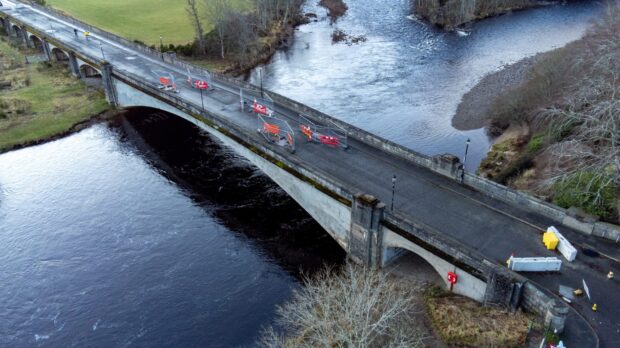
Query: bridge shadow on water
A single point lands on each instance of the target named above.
(229, 188)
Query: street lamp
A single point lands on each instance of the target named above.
(260, 75)
(101, 47)
(393, 191)
(465, 159)
(202, 100)
(161, 46)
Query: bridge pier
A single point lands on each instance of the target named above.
(47, 50)
(108, 84)
(73, 65)
(7, 27)
(365, 240)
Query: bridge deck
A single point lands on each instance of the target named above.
(487, 225)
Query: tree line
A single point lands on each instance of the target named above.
(238, 34)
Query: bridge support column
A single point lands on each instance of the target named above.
(108, 83)
(365, 233)
(503, 291)
(73, 65)
(24, 37)
(7, 27)
(47, 50)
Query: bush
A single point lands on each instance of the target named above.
(536, 143)
(353, 307)
(595, 193)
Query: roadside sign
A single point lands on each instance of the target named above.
(585, 288)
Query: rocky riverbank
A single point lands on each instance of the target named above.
(552, 118)
(453, 13)
(473, 111)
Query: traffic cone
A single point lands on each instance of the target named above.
(610, 275)
(594, 307)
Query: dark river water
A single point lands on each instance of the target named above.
(144, 232)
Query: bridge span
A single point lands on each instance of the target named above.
(456, 221)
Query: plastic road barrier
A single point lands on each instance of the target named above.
(534, 264)
(564, 246)
(261, 109)
(550, 240)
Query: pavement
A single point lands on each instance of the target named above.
(489, 226)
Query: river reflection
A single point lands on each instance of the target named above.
(144, 232)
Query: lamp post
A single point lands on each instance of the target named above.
(465, 159)
(101, 48)
(393, 191)
(260, 75)
(161, 47)
(202, 100)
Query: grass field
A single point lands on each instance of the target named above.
(143, 20)
(42, 102)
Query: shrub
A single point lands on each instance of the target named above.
(595, 193)
(353, 307)
(536, 143)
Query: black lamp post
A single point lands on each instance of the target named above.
(161, 46)
(202, 100)
(260, 74)
(101, 48)
(393, 191)
(465, 159)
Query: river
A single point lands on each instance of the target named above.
(141, 231)
(406, 81)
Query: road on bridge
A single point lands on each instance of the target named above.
(489, 226)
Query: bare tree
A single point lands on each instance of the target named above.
(216, 13)
(354, 307)
(192, 11)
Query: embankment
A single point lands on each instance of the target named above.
(452, 13)
(554, 118)
(41, 102)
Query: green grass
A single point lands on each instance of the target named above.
(143, 20)
(54, 101)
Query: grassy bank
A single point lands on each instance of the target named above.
(143, 20)
(568, 102)
(463, 322)
(38, 102)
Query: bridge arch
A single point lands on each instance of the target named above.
(60, 55)
(37, 42)
(88, 71)
(17, 30)
(394, 246)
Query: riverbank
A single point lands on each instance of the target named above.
(40, 103)
(552, 117)
(473, 110)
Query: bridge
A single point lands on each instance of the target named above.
(456, 221)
